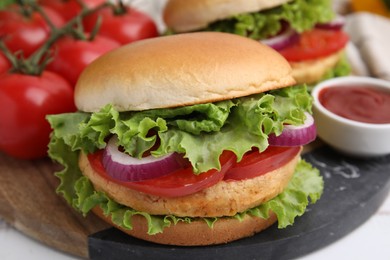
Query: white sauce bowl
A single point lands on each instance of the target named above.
(348, 136)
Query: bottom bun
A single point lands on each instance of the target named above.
(196, 233)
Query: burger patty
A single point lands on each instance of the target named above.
(226, 198)
(311, 71)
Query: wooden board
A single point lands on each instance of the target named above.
(28, 202)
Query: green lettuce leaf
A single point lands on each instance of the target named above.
(305, 187)
(302, 15)
(342, 68)
(200, 132)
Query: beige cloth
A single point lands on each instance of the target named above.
(369, 52)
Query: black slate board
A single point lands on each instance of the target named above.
(354, 190)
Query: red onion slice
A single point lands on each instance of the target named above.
(282, 40)
(295, 135)
(123, 167)
(335, 24)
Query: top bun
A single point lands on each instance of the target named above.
(190, 15)
(180, 70)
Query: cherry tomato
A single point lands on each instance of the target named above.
(26, 33)
(69, 8)
(315, 44)
(127, 27)
(179, 183)
(25, 100)
(254, 164)
(4, 63)
(72, 55)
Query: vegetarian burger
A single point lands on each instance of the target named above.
(191, 139)
(305, 32)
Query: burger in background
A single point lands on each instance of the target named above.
(306, 32)
(190, 139)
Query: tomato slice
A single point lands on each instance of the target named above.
(179, 183)
(315, 44)
(254, 164)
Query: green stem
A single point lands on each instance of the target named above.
(8, 54)
(25, 7)
(120, 8)
(95, 29)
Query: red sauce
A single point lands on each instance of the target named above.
(364, 104)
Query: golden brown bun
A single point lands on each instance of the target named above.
(197, 233)
(180, 70)
(312, 71)
(225, 198)
(190, 15)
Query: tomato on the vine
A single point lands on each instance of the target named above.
(125, 27)
(68, 9)
(73, 55)
(315, 44)
(25, 100)
(26, 33)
